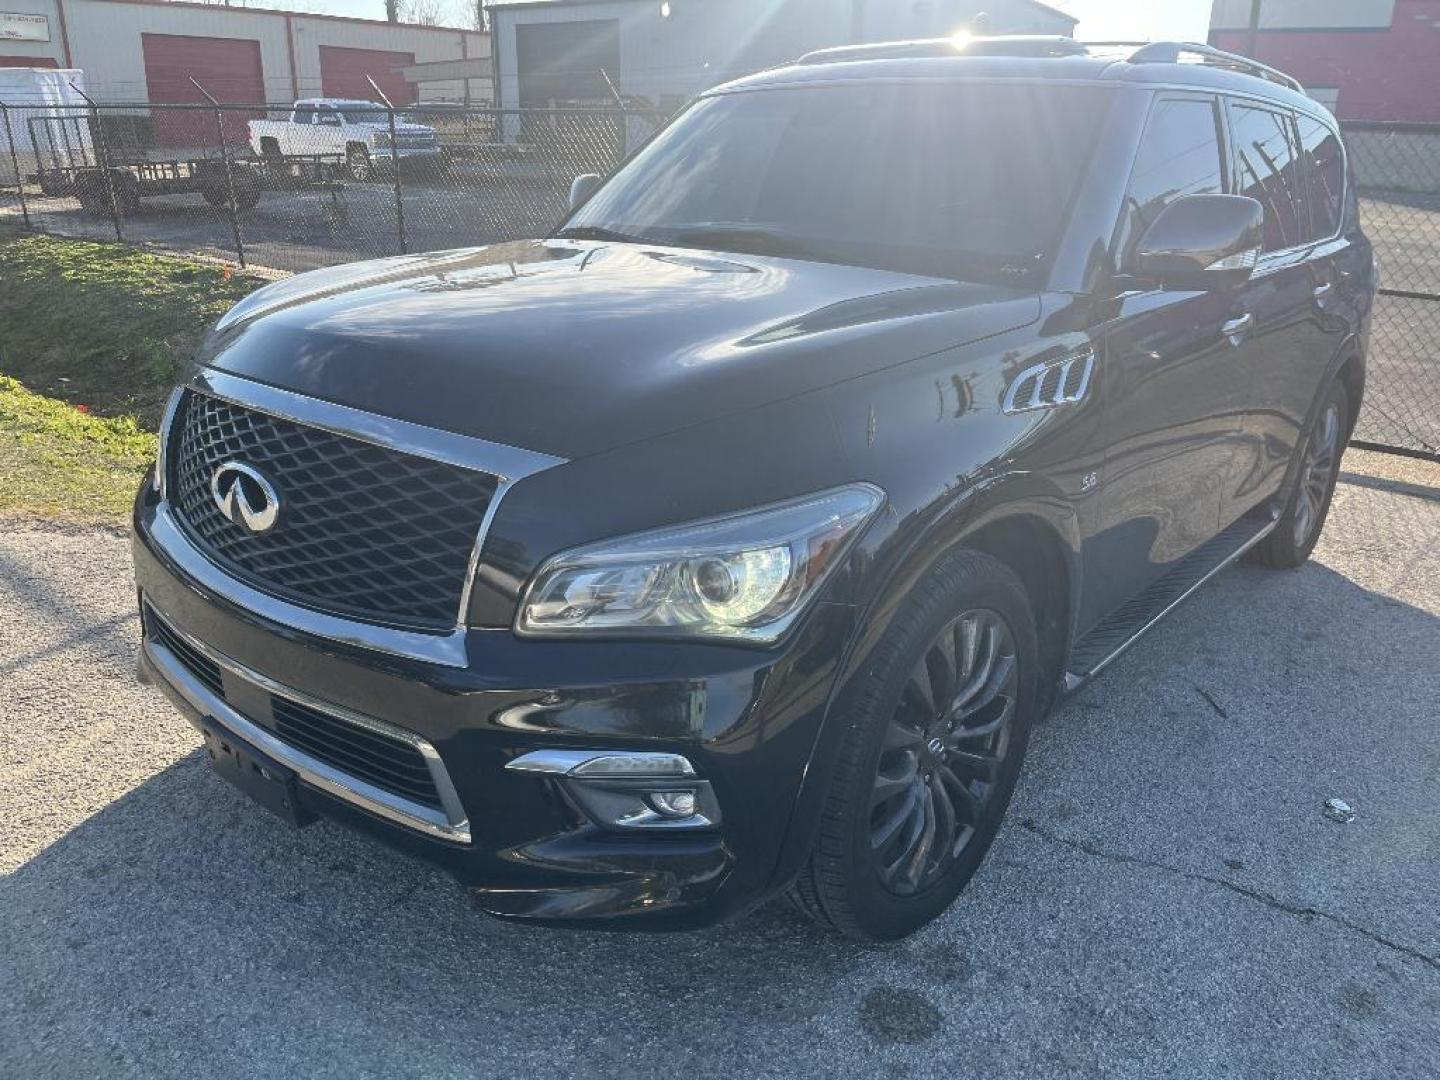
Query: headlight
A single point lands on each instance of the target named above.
(745, 576)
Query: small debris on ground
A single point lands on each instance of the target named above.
(1339, 810)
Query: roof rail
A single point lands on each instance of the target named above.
(1018, 45)
(1170, 52)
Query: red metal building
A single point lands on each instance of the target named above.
(1366, 59)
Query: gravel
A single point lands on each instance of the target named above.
(1166, 899)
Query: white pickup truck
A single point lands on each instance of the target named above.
(358, 130)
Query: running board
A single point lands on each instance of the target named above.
(1121, 629)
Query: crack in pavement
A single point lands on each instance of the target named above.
(1273, 902)
(1209, 697)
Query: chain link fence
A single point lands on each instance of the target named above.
(1397, 170)
(296, 188)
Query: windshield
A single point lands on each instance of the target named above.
(360, 114)
(952, 179)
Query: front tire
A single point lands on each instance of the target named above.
(358, 164)
(933, 740)
(1294, 537)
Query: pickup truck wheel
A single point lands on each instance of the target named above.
(1293, 539)
(933, 741)
(357, 161)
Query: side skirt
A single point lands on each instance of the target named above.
(1127, 624)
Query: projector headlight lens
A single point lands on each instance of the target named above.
(746, 576)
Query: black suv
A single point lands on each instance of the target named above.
(731, 539)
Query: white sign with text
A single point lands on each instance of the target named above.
(15, 26)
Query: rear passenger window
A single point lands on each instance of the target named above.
(1324, 176)
(1179, 155)
(1268, 170)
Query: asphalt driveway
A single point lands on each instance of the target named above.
(1167, 898)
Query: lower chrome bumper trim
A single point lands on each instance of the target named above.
(451, 825)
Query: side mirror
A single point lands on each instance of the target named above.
(582, 187)
(1203, 242)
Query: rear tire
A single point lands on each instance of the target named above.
(1294, 537)
(932, 743)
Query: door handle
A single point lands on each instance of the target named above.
(1236, 328)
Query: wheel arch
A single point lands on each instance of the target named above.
(1035, 533)
(1046, 562)
(1020, 519)
(1351, 375)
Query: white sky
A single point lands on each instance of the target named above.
(1129, 20)
(1184, 20)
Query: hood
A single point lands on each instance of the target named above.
(572, 348)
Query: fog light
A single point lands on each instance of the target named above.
(675, 804)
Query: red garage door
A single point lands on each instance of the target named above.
(343, 71)
(28, 61)
(227, 67)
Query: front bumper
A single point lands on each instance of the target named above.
(384, 153)
(748, 720)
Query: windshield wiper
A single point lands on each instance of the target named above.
(599, 232)
(753, 239)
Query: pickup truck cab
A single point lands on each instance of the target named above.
(729, 540)
(358, 131)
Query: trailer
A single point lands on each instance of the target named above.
(68, 168)
(126, 183)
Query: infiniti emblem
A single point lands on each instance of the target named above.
(245, 497)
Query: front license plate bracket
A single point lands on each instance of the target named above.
(272, 785)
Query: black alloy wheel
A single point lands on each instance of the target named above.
(943, 751)
(1311, 489)
(1317, 475)
(925, 745)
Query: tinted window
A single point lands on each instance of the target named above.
(305, 115)
(1268, 170)
(1179, 155)
(1324, 176)
(950, 179)
(326, 115)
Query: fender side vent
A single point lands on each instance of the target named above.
(1062, 381)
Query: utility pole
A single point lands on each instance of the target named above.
(1254, 49)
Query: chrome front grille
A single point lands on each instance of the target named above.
(365, 531)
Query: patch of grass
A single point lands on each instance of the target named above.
(105, 325)
(92, 337)
(60, 463)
